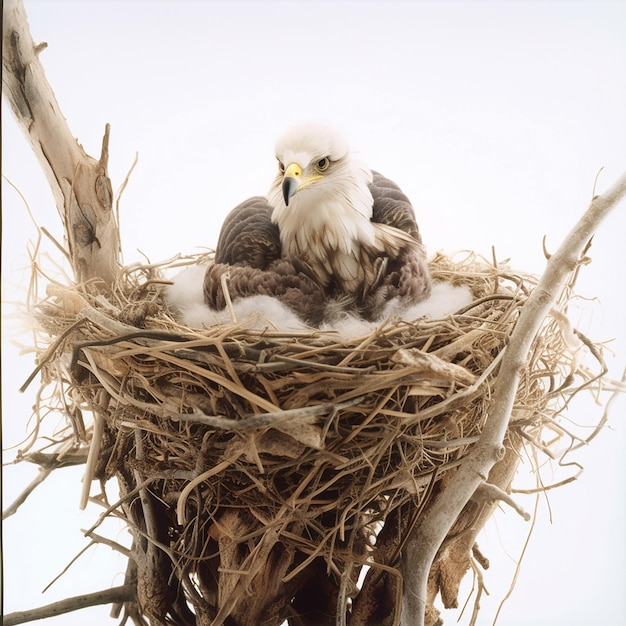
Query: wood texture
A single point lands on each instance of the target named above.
(80, 183)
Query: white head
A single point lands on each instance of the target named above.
(320, 190)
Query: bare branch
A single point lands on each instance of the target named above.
(125, 593)
(429, 535)
(47, 462)
(56, 460)
(488, 491)
(12, 508)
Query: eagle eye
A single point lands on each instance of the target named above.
(281, 167)
(323, 164)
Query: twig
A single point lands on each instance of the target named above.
(121, 189)
(229, 303)
(50, 352)
(114, 545)
(488, 491)
(265, 419)
(57, 460)
(94, 452)
(58, 246)
(519, 562)
(67, 567)
(48, 462)
(41, 476)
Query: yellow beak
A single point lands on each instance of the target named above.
(293, 181)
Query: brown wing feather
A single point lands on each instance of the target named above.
(280, 280)
(391, 206)
(406, 275)
(249, 251)
(248, 235)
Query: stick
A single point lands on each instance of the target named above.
(125, 593)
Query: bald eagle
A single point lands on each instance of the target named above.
(330, 236)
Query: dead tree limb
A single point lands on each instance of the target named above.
(80, 183)
(430, 534)
(125, 593)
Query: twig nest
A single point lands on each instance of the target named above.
(261, 471)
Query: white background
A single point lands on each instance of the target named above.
(494, 118)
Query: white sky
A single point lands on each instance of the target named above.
(494, 118)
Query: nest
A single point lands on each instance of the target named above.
(268, 476)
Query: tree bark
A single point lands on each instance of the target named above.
(80, 183)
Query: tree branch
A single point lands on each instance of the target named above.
(490, 492)
(47, 462)
(44, 472)
(80, 183)
(428, 537)
(125, 593)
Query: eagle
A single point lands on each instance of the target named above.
(331, 237)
